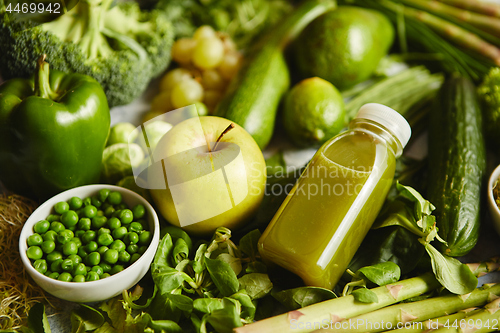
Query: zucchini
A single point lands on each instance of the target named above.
(457, 162)
(253, 96)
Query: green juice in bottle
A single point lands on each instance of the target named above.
(329, 211)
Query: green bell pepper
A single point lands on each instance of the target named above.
(53, 130)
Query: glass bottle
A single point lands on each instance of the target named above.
(329, 211)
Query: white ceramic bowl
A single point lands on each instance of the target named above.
(494, 211)
(92, 291)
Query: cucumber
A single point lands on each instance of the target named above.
(457, 162)
(253, 96)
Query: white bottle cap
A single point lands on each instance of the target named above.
(389, 118)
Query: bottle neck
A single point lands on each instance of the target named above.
(380, 131)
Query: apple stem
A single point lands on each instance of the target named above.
(230, 127)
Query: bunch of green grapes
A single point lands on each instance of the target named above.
(207, 62)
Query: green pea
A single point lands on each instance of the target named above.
(88, 236)
(116, 213)
(82, 252)
(34, 252)
(126, 216)
(109, 211)
(115, 198)
(92, 276)
(93, 259)
(75, 203)
(53, 217)
(73, 228)
(79, 233)
(117, 245)
(90, 211)
(98, 270)
(55, 266)
(116, 269)
(134, 257)
(50, 235)
(35, 239)
(145, 225)
(65, 276)
(54, 275)
(69, 219)
(131, 238)
(138, 211)
(87, 202)
(41, 227)
(61, 207)
(84, 224)
(65, 236)
(99, 221)
(124, 256)
(135, 227)
(77, 241)
(75, 258)
(142, 249)
(121, 206)
(40, 265)
(100, 213)
(119, 233)
(95, 201)
(114, 223)
(57, 226)
(106, 268)
(47, 272)
(103, 231)
(111, 256)
(91, 246)
(104, 239)
(79, 269)
(79, 278)
(102, 249)
(67, 265)
(48, 246)
(103, 194)
(132, 248)
(145, 238)
(106, 205)
(53, 256)
(104, 275)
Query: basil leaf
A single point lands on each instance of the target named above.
(37, 319)
(257, 285)
(222, 276)
(297, 298)
(381, 274)
(181, 250)
(85, 319)
(451, 273)
(365, 295)
(208, 305)
(225, 319)
(248, 243)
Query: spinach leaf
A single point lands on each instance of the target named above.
(451, 273)
(248, 243)
(257, 285)
(208, 305)
(380, 274)
(181, 302)
(225, 319)
(176, 233)
(85, 319)
(222, 276)
(256, 267)
(181, 250)
(365, 295)
(247, 306)
(169, 278)
(37, 319)
(164, 308)
(234, 263)
(167, 326)
(163, 253)
(297, 298)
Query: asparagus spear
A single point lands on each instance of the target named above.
(343, 307)
(486, 8)
(458, 16)
(485, 267)
(449, 30)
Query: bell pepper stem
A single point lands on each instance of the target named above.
(42, 84)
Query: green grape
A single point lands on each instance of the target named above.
(186, 93)
(230, 65)
(208, 53)
(205, 31)
(173, 77)
(182, 50)
(211, 79)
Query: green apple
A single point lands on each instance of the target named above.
(214, 175)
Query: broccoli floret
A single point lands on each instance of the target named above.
(121, 47)
(489, 95)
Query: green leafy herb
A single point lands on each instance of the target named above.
(381, 274)
(85, 319)
(37, 319)
(223, 276)
(300, 297)
(365, 295)
(257, 285)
